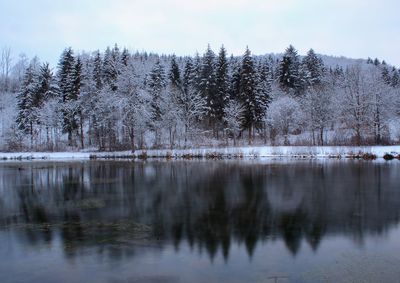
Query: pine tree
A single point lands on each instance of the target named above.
(47, 87)
(263, 95)
(69, 80)
(235, 80)
(289, 71)
(64, 75)
(208, 81)
(222, 84)
(313, 68)
(26, 99)
(395, 77)
(188, 75)
(248, 91)
(97, 71)
(156, 83)
(175, 74)
(111, 65)
(386, 75)
(125, 57)
(197, 69)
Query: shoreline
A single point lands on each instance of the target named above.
(355, 152)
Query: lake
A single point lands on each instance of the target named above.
(200, 221)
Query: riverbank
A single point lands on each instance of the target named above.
(366, 152)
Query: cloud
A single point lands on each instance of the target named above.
(350, 28)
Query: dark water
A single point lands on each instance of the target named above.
(198, 221)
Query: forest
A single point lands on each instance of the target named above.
(123, 100)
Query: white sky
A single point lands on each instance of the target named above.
(352, 28)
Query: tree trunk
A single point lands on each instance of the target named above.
(321, 133)
(81, 132)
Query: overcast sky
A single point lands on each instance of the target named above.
(352, 28)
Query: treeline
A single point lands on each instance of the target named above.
(122, 100)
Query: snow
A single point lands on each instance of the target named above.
(228, 152)
(278, 151)
(62, 155)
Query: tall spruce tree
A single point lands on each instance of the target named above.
(248, 91)
(47, 87)
(26, 100)
(111, 65)
(188, 76)
(97, 70)
(175, 74)
(208, 81)
(289, 72)
(263, 95)
(222, 84)
(69, 85)
(156, 84)
(313, 69)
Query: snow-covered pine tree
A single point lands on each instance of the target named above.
(386, 75)
(111, 64)
(222, 84)
(313, 68)
(26, 99)
(67, 83)
(395, 82)
(234, 88)
(156, 83)
(208, 81)
(79, 103)
(125, 57)
(249, 91)
(289, 72)
(47, 86)
(188, 75)
(263, 95)
(174, 74)
(197, 69)
(97, 70)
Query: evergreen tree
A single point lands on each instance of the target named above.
(125, 57)
(156, 84)
(47, 87)
(188, 75)
(26, 99)
(197, 69)
(395, 77)
(208, 81)
(174, 74)
(263, 95)
(289, 71)
(97, 71)
(313, 68)
(386, 75)
(111, 64)
(235, 81)
(249, 91)
(222, 84)
(64, 75)
(69, 79)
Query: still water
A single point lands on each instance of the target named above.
(200, 221)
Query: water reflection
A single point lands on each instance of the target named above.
(119, 209)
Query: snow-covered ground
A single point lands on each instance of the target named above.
(229, 152)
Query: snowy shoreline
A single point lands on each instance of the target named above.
(228, 152)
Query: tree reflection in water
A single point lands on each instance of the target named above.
(114, 208)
